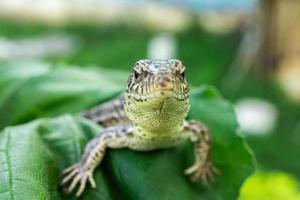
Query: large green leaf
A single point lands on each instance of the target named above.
(33, 155)
(30, 90)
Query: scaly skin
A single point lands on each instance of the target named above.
(151, 115)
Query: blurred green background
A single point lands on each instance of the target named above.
(220, 45)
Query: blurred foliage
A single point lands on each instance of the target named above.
(30, 90)
(270, 186)
(207, 57)
(33, 155)
(120, 46)
(273, 150)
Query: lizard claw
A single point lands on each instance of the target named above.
(77, 175)
(204, 171)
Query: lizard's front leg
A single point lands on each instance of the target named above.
(203, 168)
(81, 172)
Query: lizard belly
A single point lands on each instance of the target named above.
(148, 142)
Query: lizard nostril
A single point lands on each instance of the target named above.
(166, 79)
(164, 84)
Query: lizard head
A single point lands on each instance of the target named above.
(157, 93)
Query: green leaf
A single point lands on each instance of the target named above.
(33, 155)
(270, 185)
(30, 90)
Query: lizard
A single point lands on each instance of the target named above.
(149, 115)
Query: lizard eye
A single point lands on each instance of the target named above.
(183, 74)
(136, 74)
(179, 68)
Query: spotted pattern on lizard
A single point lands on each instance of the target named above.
(150, 115)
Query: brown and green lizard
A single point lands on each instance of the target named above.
(150, 115)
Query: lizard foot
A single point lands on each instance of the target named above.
(204, 171)
(77, 175)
